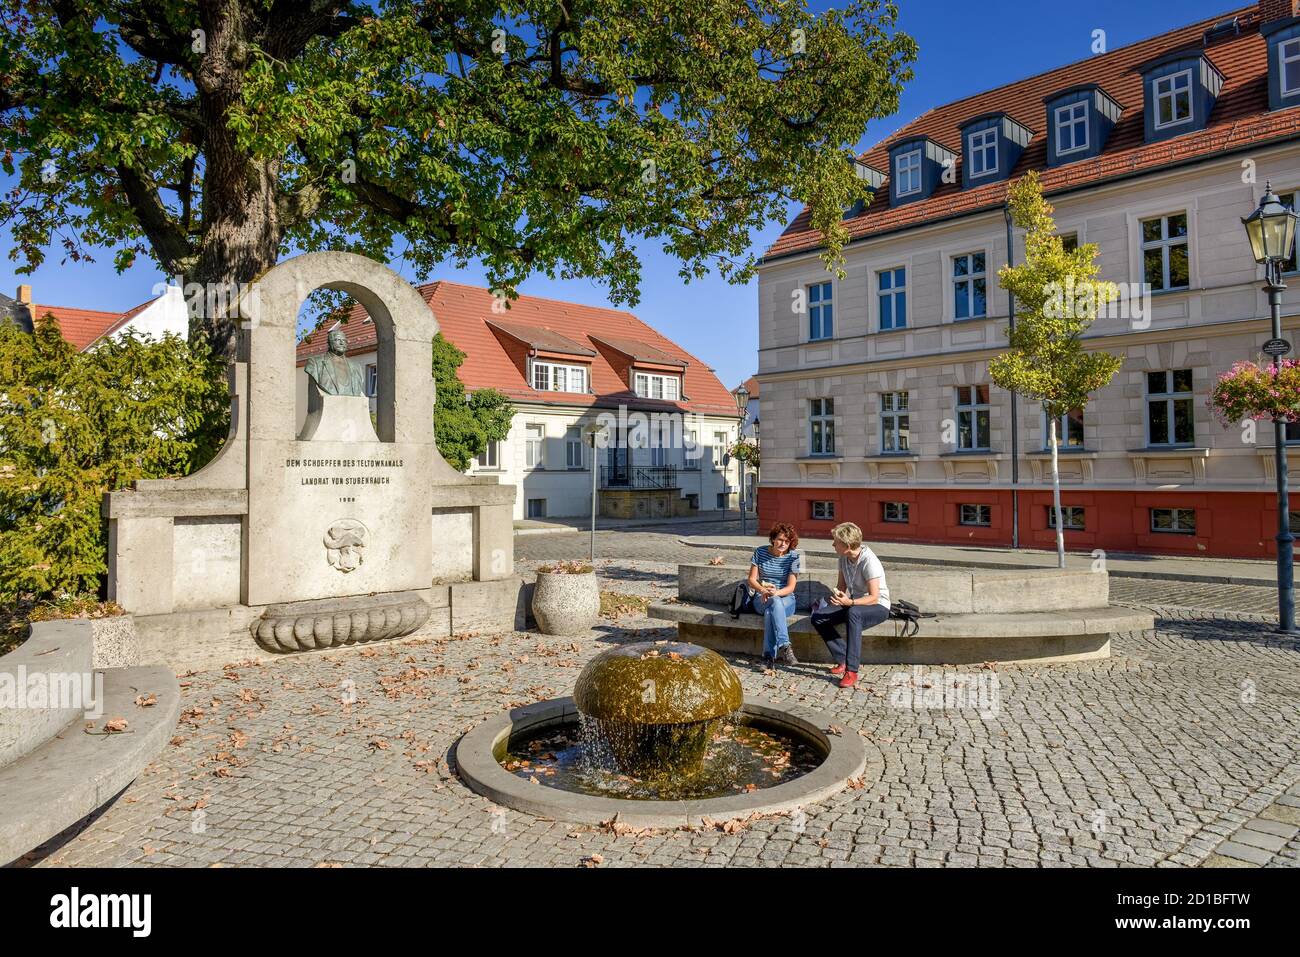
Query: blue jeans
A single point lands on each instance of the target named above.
(775, 611)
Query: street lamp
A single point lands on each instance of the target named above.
(1271, 230)
(594, 434)
(742, 406)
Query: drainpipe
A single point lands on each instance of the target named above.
(1015, 415)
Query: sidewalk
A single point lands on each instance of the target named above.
(1221, 571)
(556, 526)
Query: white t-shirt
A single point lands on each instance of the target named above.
(858, 573)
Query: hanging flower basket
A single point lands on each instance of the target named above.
(1248, 391)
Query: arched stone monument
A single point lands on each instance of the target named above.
(324, 536)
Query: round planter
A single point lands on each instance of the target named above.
(566, 604)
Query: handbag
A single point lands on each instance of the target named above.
(739, 599)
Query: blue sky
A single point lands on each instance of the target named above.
(712, 319)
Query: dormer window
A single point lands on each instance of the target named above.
(1289, 66)
(982, 147)
(1283, 37)
(1071, 128)
(907, 173)
(1173, 99)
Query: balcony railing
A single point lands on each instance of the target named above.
(638, 476)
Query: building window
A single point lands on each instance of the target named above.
(659, 443)
(1173, 521)
(1292, 433)
(537, 508)
(968, 286)
(821, 318)
(973, 434)
(894, 512)
(1071, 128)
(1288, 199)
(907, 173)
(1169, 408)
(983, 148)
(490, 457)
(647, 385)
(554, 377)
(1288, 54)
(535, 446)
(1069, 431)
(1164, 252)
(975, 515)
(1071, 517)
(1173, 99)
(823, 510)
(720, 445)
(1293, 520)
(723, 500)
(1069, 242)
(892, 285)
(895, 422)
(372, 380)
(573, 447)
(821, 438)
(691, 450)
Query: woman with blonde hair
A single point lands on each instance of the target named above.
(860, 601)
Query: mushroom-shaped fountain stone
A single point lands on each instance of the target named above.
(655, 704)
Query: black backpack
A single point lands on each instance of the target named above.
(739, 599)
(908, 614)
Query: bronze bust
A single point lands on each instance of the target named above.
(334, 373)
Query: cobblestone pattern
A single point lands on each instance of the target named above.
(1152, 757)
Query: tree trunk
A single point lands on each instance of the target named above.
(1056, 495)
(241, 222)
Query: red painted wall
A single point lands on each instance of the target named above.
(1228, 524)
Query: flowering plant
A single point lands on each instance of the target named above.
(746, 450)
(1248, 391)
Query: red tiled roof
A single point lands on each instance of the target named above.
(1240, 118)
(464, 313)
(84, 327)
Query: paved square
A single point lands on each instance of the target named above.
(1169, 753)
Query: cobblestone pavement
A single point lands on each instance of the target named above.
(1152, 757)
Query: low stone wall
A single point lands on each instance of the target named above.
(950, 591)
(56, 652)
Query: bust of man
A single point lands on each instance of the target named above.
(333, 372)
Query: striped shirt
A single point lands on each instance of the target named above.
(776, 569)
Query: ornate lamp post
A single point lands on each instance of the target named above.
(742, 406)
(1271, 230)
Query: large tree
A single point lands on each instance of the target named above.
(216, 135)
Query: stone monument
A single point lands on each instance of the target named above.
(289, 542)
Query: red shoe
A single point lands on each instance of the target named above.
(849, 680)
(837, 670)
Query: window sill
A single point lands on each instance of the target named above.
(970, 454)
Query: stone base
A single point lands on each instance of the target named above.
(332, 622)
(209, 638)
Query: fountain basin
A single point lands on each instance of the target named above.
(479, 754)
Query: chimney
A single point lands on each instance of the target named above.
(1270, 10)
(25, 294)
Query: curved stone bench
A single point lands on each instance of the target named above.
(1036, 615)
(57, 765)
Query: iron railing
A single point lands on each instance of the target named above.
(638, 476)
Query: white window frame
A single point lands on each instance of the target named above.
(988, 142)
(551, 368)
(535, 446)
(573, 442)
(902, 512)
(961, 515)
(1072, 121)
(968, 279)
(823, 511)
(1171, 92)
(907, 167)
(823, 310)
(1169, 398)
(893, 408)
(972, 408)
(721, 441)
(1177, 516)
(1283, 58)
(1062, 435)
(372, 379)
(1066, 512)
(821, 412)
(658, 447)
(893, 293)
(489, 460)
(647, 384)
(1165, 244)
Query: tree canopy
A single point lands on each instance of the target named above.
(215, 136)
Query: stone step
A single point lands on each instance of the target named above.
(58, 654)
(74, 772)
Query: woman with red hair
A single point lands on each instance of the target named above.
(773, 576)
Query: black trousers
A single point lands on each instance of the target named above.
(854, 618)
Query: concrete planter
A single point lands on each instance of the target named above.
(566, 604)
(115, 641)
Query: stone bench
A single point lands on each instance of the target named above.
(1032, 615)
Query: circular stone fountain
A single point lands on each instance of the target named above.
(659, 734)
